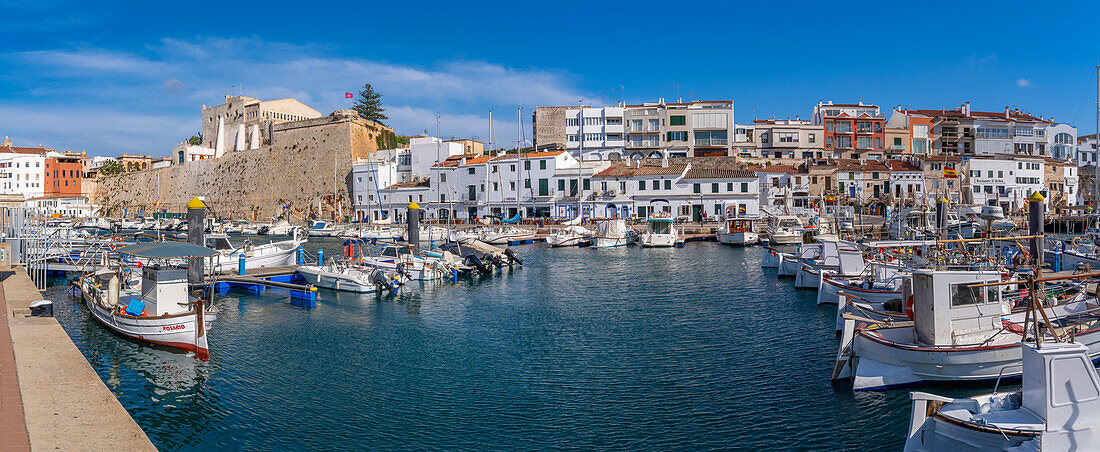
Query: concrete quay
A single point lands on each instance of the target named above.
(65, 405)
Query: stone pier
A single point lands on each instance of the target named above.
(63, 403)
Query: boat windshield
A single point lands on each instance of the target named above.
(660, 227)
(219, 243)
(789, 223)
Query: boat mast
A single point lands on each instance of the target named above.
(519, 153)
(488, 161)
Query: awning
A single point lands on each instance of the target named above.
(166, 250)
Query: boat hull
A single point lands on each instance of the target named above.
(175, 331)
(336, 281)
(738, 238)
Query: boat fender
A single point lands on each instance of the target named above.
(909, 307)
(113, 289)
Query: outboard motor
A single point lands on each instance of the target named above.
(383, 282)
(473, 261)
(263, 230)
(494, 260)
(401, 270)
(512, 258)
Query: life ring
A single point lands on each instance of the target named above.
(1076, 242)
(909, 307)
(349, 250)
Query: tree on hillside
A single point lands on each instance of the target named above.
(195, 140)
(111, 168)
(369, 105)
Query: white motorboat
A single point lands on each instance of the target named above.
(659, 232)
(738, 232)
(464, 235)
(612, 233)
(272, 254)
(350, 278)
(321, 228)
(772, 258)
(1057, 408)
(784, 230)
(280, 227)
(842, 259)
(569, 236)
(790, 263)
(960, 333)
(381, 233)
(397, 259)
(506, 235)
(160, 311)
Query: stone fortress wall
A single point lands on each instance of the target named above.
(294, 174)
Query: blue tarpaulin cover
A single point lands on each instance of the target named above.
(136, 307)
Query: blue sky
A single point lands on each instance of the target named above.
(113, 77)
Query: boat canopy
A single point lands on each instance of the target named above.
(166, 250)
(514, 219)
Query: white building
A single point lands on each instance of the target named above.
(22, 172)
(185, 152)
(63, 206)
(594, 133)
(1006, 180)
(906, 180)
(1086, 151)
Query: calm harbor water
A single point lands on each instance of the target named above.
(628, 348)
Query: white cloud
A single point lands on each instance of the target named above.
(172, 78)
(100, 131)
(1023, 82)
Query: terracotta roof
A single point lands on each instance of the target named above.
(718, 173)
(455, 160)
(942, 158)
(955, 113)
(530, 155)
(425, 183)
(647, 168)
(789, 169)
(24, 150)
(901, 165)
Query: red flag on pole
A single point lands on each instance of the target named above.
(347, 95)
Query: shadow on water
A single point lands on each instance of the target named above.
(623, 348)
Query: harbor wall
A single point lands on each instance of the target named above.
(297, 173)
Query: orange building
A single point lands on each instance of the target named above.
(63, 176)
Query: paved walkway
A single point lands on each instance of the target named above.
(65, 405)
(13, 429)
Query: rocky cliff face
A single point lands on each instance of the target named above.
(305, 172)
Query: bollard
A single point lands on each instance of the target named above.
(941, 216)
(240, 264)
(301, 255)
(1035, 227)
(196, 217)
(413, 231)
(320, 257)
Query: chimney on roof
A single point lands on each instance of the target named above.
(664, 160)
(638, 163)
(7, 141)
(1007, 116)
(861, 103)
(966, 109)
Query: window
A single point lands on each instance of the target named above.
(512, 168)
(715, 138)
(844, 142)
(729, 186)
(964, 294)
(878, 142)
(878, 127)
(863, 142)
(641, 185)
(714, 187)
(656, 185)
(527, 165)
(443, 177)
(587, 184)
(561, 184)
(654, 125)
(695, 188)
(542, 164)
(813, 138)
(828, 126)
(709, 120)
(677, 136)
(495, 168)
(844, 127)
(788, 137)
(744, 187)
(527, 183)
(636, 125)
(863, 126)
(828, 142)
(668, 185)
(677, 120)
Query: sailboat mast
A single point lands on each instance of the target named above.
(519, 152)
(488, 160)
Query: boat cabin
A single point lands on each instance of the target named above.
(738, 225)
(1059, 384)
(163, 288)
(659, 225)
(219, 242)
(948, 310)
